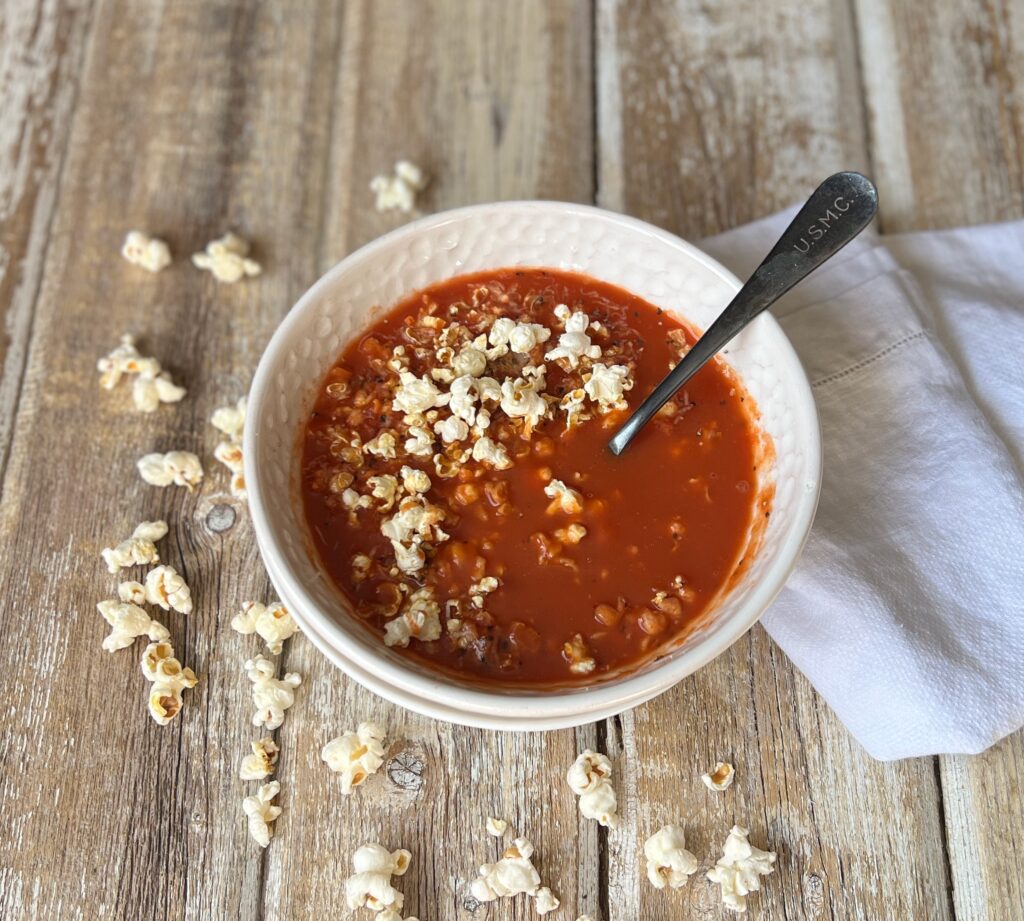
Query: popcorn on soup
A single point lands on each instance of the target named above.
(459, 492)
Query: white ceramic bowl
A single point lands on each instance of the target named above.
(653, 264)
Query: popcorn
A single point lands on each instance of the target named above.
(385, 488)
(146, 252)
(262, 813)
(182, 468)
(271, 696)
(451, 429)
(545, 901)
(152, 385)
(398, 191)
(420, 619)
(169, 679)
(513, 874)
(573, 404)
(739, 870)
(230, 419)
(491, 452)
(469, 362)
(382, 446)
(564, 498)
(606, 386)
(573, 534)
(420, 442)
(355, 755)
(581, 662)
(149, 392)
(521, 399)
(138, 550)
(668, 861)
(415, 481)
(262, 761)
(226, 259)
(128, 621)
(574, 344)
(496, 828)
(408, 559)
(273, 623)
(462, 398)
(132, 592)
(520, 338)
(417, 394)
(590, 779)
(370, 884)
(720, 778)
(166, 588)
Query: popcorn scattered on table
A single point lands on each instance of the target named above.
(398, 191)
(182, 468)
(496, 827)
(231, 421)
(132, 592)
(271, 622)
(590, 780)
(262, 813)
(720, 778)
(137, 550)
(128, 621)
(668, 861)
(152, 385)
(355, 755)
(271, 695)
(512, 874)
(169, 679)
(166, 588)
(545, 901)
(227, 259)
(740, 869)
(370, 883)
(149, 253)
(261, 762)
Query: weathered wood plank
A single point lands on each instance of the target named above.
(494, 101)
(948, 145)
(191, 118)
(945, 103)
(42, 47)
(723, 113)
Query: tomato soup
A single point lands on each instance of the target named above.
(459, 492)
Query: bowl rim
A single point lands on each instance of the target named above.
(443, 699)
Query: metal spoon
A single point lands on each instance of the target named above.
(840, 208)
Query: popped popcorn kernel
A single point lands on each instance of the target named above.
(496, 828)
(419, 619)
(152, 385)
(167, 588)
(262, 813)
(369, 885)
(574, 344)
(270, 695)
(668, 861)
(149, 253)
(230, 419)
(564, 498)
(262, 761)
(128, 621)
(132, 592)
(514, 873)
(398, 192)
(182, 468)
(227, 259)
(169, 679)
(720, 778)
(273, 623)
(545, 901)
(740, 868)
(491, 452)
(137, 550)
(607, 385)
(149, 392)
(355, 755)
(382, 446)
(590, 779)
(577, 654)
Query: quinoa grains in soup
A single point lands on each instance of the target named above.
(459, 492)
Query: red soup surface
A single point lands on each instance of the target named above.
(459, 492)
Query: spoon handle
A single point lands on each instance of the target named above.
(839, 209)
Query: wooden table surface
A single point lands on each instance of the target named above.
(189, 117)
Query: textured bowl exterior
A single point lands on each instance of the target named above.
(653, 264)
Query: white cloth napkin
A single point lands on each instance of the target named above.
(906, 611)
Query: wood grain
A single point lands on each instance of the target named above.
(725, 113)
